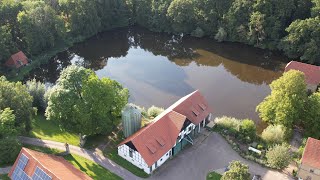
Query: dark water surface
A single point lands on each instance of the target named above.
(159, 68)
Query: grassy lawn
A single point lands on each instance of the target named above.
(213, 176)
(4, 177)
(89, 167)
(126, 164)
(48, 130)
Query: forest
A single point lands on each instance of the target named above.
(36, 26)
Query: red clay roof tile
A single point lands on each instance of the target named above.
(312, 73)
(17, 60)
(54, 166)
(311, 154)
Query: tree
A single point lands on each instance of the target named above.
(9, 150)
(182, 15)
(285, 104)
(303, 40)
(248, 128)
(237, 171)
(7, 120)
(279, 156)
(93, 103)
(7, 46)
(273, 134)
(312, 116)
(40, 26)
(37, 90)
(16, 97)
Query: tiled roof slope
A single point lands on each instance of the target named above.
(311, 154)
(167, 126)
(17, 60)
(54, 166)
(190, 105)
(153, 141)
(312, 73)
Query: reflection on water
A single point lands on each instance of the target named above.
(158, 68)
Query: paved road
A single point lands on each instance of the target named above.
(211, 154)
(5, 170)
(94, 156)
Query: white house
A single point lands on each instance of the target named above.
(154, 144)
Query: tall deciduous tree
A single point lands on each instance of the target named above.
(285, 104)
(312, 116)
(40, 25)
(37, 90)
(7, 120)
(303, 40)
(237, 171)
(16, 97)
(82, 103)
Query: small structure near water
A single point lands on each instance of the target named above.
(17, 60)
(131, 119)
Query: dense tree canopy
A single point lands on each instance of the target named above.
(285, 104)
(7, 120)
(34, 26)
(312, 116)
(37, 90)
(81, 102)
(16, 97)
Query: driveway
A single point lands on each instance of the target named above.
(210, 153)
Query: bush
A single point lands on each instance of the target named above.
(154, 111)
(248, 128)
(198, 32)
(9, 150)
(237, 171)
(273, 134)
(279, 156)
(221, 35)
(228, 123)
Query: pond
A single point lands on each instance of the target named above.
(159, 68)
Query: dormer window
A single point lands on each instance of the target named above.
(202, 106)
(160, 141)
(194, 111)
(151, 148)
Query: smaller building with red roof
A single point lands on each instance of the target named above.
(311, 72)
(35, 165)
(170, 131)
(17, 60)
(310, 163)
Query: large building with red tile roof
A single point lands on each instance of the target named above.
(35, 165)
(17, 60)
(310, 163)
(311, 72)
(170, 131)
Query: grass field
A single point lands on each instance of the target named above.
(89, 167)
(213, 176)
(4, 177)
(48, 130)
(126, 164)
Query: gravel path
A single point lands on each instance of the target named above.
(5, 170)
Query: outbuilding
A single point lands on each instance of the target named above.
(17, 60)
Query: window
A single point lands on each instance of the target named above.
(161, 159)
(189, 128)
(130, 152)
(167, 154)
(156, 165)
